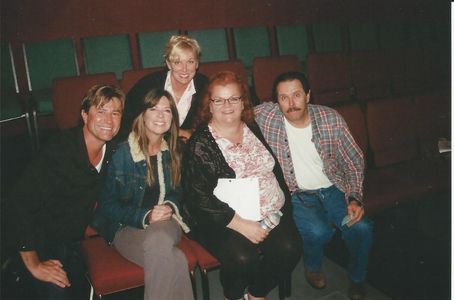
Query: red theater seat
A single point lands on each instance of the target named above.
(109, 272)
(266, 69)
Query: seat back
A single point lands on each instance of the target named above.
(433, 120)
(404, 68)
(327, 37)
(266, 69)
(213, 44)
(251, 42)
(292, 40)
(390, 124)
(236, 66)
(130, 77)
(391, 34)
(363, 36)
(369, 75)
(44, 62)
(329, 77)
(107, 54)
(10, 102)
(151, 47)
(354, 116)
(68, 93)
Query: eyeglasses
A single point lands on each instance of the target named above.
(231, 100)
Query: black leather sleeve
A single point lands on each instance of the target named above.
(204, 165)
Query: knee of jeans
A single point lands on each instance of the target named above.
(363, 227)
(318, 233)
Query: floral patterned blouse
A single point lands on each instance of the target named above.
(252, 159)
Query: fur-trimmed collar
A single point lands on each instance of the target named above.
(136, 152)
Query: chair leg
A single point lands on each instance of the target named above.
(193, 284)
(91, 292)
(30, 130)
(205, 285)
(285, 288)
(35, 125)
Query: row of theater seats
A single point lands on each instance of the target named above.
(390, 129)
(399, 136)
(367, 75)
(67, 92)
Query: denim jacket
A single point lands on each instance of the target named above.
(121, 197)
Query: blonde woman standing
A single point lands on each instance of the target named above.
(180, 79)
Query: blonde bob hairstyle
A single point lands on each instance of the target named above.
(151, 99)
(181, 42)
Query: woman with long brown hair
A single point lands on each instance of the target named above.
(140, 202)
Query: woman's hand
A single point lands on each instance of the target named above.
(250, 229)
(160, 212)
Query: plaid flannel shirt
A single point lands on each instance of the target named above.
(343, 161)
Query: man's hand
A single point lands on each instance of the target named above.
(48, 271)
(355, 211)
(160, 212)
(250, 229)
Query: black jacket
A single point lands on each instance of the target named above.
(135, 97)
(204, 164)
(55, 197)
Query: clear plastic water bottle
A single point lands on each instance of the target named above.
(271, 220)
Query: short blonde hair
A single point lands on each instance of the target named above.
(181, 42)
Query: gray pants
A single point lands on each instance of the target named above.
(155, 249)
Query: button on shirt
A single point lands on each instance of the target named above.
(184, 104)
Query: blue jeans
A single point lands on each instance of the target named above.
(317, 213)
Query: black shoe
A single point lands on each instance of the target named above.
(356, 291)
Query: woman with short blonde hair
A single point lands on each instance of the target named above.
(180, 79)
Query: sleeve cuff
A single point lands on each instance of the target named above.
(145, 219)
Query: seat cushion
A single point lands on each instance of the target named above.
(110, 272)
(205, 259)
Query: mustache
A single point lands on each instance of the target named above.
(292, 109)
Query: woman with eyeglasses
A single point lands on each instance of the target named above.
(255, 255)
(180, 79)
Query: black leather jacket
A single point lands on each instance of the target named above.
(204, 165)
(134, 98)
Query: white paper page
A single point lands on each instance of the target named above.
(241, 194)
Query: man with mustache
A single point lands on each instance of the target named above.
(324, 170)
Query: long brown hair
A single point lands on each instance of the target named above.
(223, 78)
(171, 136)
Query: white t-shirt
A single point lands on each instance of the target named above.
(99, 165)
(307, 164)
